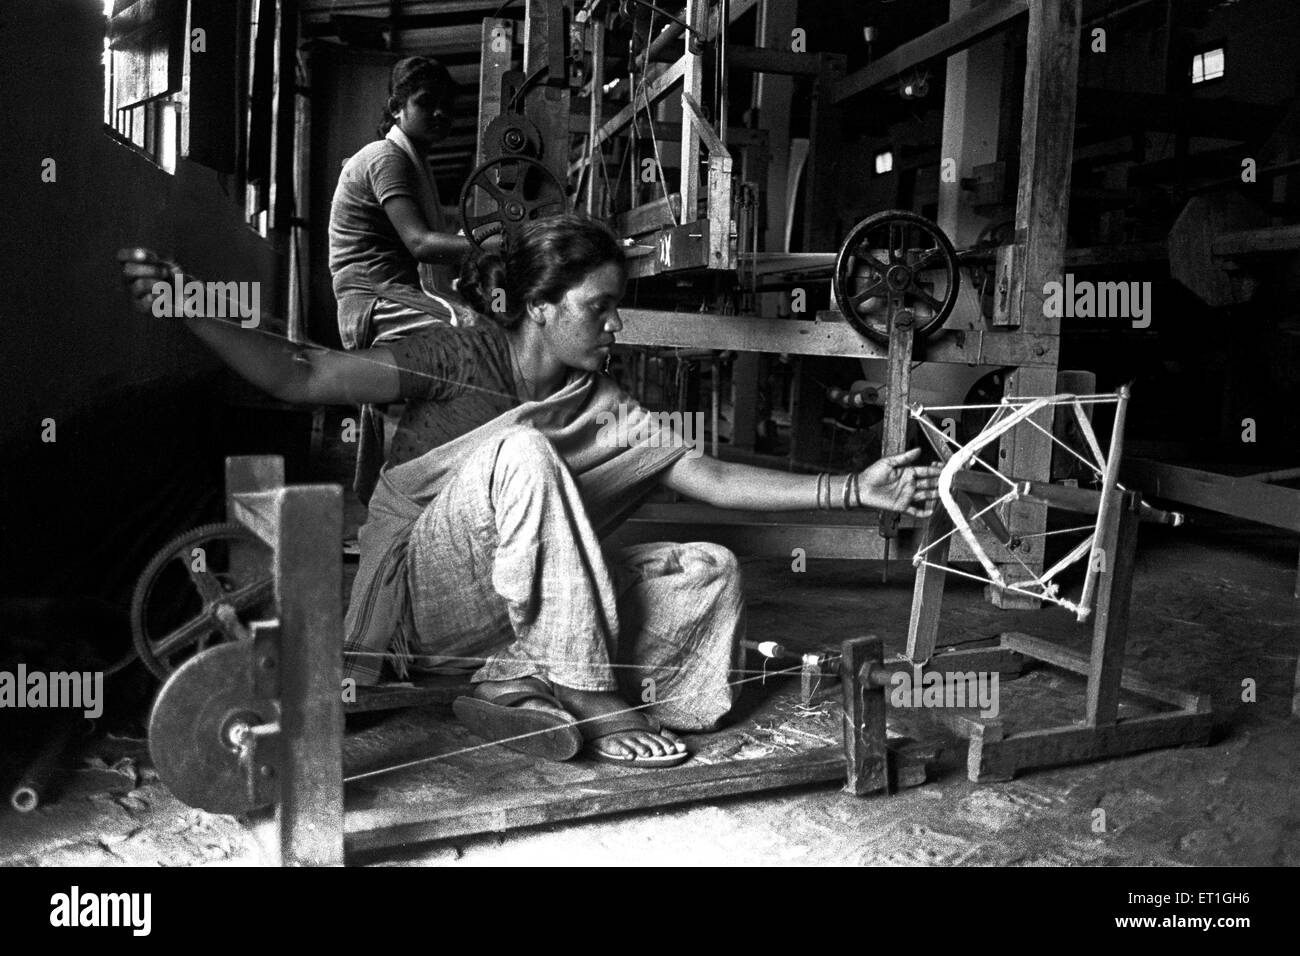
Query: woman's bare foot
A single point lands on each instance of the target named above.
(624, 744)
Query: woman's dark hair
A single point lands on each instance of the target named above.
(411, 75)
(539, 262)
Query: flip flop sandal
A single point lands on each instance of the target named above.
(538, 733)
(598, 728)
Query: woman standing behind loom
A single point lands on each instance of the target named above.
(484, 537)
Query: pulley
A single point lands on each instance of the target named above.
(514, 190)
(199, 590)
(204, 731)
(894, 261)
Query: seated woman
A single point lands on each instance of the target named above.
(392, 257)
(514, 458)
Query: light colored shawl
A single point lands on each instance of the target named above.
(612, 480)
(435, 278)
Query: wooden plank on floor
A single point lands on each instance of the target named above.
(1000, 759)
(373, 829)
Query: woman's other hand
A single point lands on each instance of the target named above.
(141, 269)
(894, 484)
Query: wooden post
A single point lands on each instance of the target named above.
(893, 440)
(1026, 453)
(692, 85)
(493, 62)
(308, 583)
(1114, 594)
(1046, 152)
(866, 755)
(595, 193)
(547, 102)
(972, 118)
(927, 592)
(1110, 500)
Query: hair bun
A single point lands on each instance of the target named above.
(483, 283)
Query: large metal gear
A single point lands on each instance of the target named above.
(228, 573)
(891, 261)
(516, 188)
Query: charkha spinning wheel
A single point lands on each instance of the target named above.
(198, 591)
(893, 261)
(513, 190)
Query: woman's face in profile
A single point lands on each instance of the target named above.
(581, 328)
(426, 116)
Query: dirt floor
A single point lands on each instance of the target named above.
(1212, 609)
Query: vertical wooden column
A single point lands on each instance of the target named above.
(972, 114)
(821, 233)
(1042, 205)
(773, 96)
(823, 189)
(595, 193)
(308, 572)
(927, 592)
(547, 102)
(1118, 540)
(697, 12)
(771, 102)
(494, 62)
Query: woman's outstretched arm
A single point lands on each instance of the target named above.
(891, 484)
(289, 372)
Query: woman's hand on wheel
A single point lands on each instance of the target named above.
(141, 269)
(894, 484)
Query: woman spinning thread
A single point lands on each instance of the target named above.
(484, 537)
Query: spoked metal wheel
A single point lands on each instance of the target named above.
(200, 590)
(896, 260)
(513, 190)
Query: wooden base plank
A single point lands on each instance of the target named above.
(368, 830)
(994, 757)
